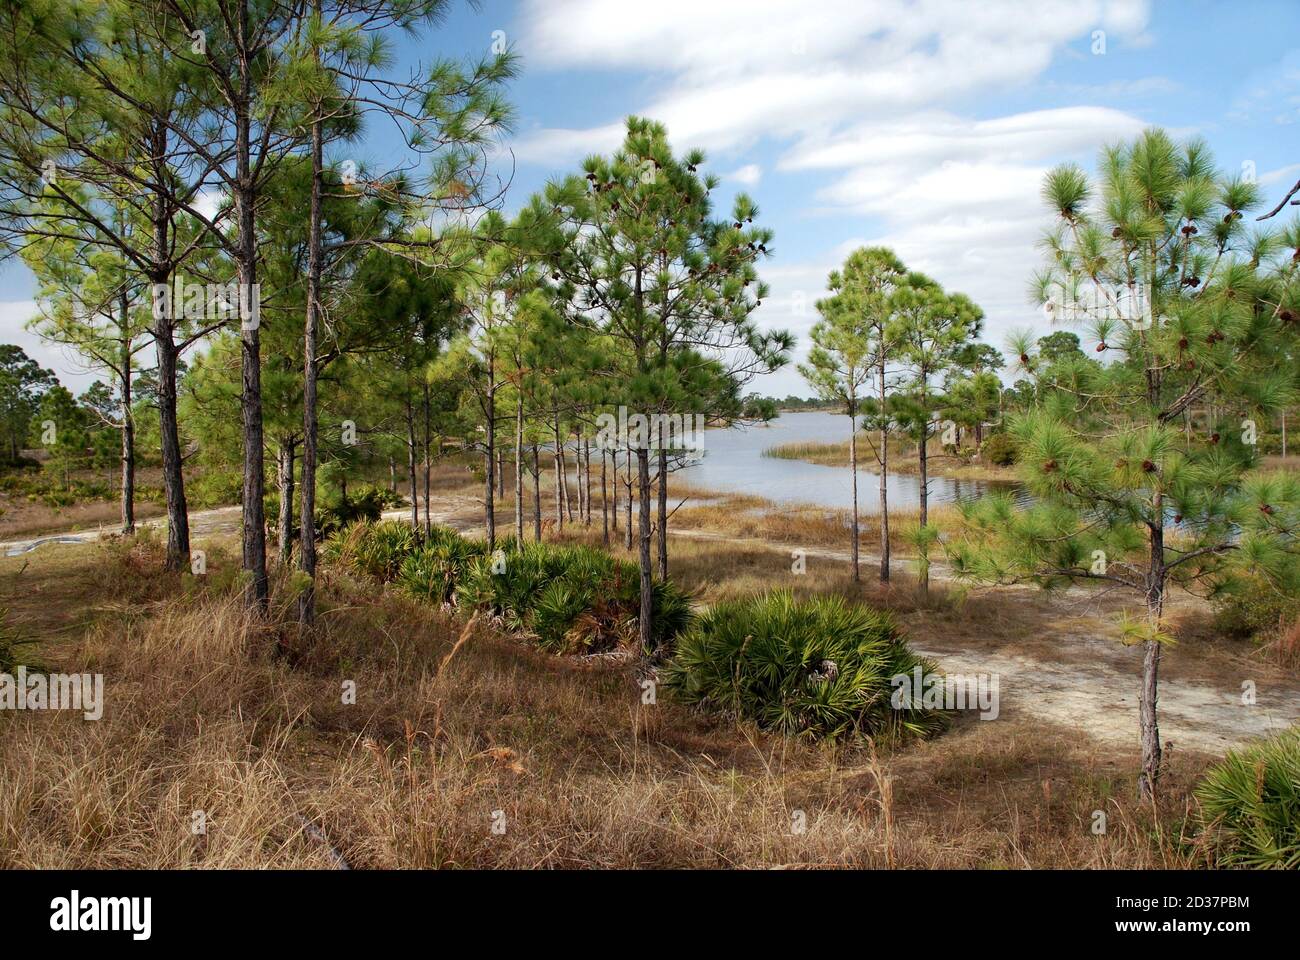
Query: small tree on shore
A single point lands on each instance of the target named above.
(932, 328)
(852, 345)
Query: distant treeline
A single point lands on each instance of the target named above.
(793, 403)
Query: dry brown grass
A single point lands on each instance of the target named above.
(453, 724)
(806, 525)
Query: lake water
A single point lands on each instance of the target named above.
(733, 461)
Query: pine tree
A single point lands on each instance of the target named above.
(1187, 308)
(853, 346)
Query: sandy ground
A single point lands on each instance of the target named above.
(1072, 671)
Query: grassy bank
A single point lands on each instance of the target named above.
(902, 459)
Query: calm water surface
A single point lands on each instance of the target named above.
(733, 461)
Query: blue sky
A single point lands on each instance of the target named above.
(925, 126)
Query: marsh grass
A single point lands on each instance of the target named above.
(902, 458)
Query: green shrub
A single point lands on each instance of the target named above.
(1255, 608)
(815, 668)
(433, 570)
(999, 449)
(366, 503)
(384, 547)
(512, 593)
(1250, 805)
(572, 598)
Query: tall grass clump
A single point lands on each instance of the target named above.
(1250, 805)
(819, 667)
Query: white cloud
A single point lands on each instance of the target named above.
(748, 175)
(208, 202)
(872, 93)
(1280, 174)
(736, 71)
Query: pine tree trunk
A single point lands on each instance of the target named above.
(178, 523)
(613, 457)
(128, 425)
(559, 478)
(285, 463)
(490, 460)
(629, 482)
(568, 494)
(257, 594)
(925, 498)
(884, 481)
(310, 420)
(604, 496)
(645, 619)
(537, 496)
(519, 468)
(853, 468)
(662, 530)
(178, 526)
(1147, 700)
(428, 463)
(410, 464)
(586, 481)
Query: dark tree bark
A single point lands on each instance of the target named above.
(559, 477)
(1155, 599)
(584, 492)
(490, 461)
(924, 454)
(310, 423)
(428, 465)
(884, 477)
(519, 468)
(628, 482)
(178, 521)
(410, 464)
(604, 496)
(537, 496)
(662, 528)
(128, 420)
(647, 581)
(287, 455)
(853, 470)
(257, 594)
